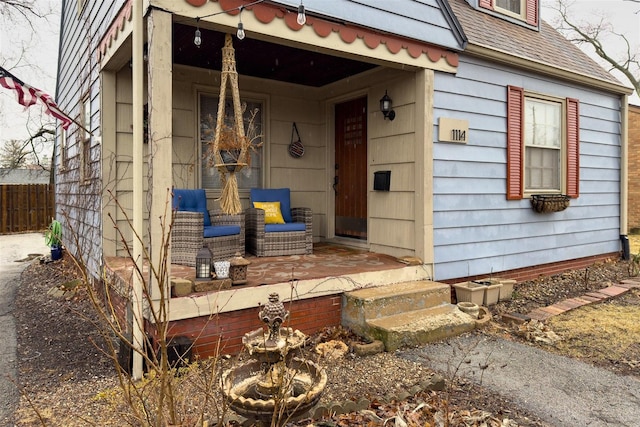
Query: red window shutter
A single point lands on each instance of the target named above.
(532, 12)
(573, 147)
(487, 4)
(515, 142)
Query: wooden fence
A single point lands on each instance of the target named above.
(25, 208)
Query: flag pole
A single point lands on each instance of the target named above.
(74, 121)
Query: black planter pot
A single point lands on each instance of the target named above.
(230, 158)
(56, 252)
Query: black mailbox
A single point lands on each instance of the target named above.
(382, 180)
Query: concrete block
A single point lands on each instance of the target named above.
(419, 327)
(362, 305)
(515, 318)
(211, 285)
(180, 287)
(369, 349)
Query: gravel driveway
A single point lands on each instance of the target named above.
(14, 249)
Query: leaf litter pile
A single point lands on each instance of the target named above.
(63, 372)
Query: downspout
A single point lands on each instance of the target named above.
(624, 176)
(138, 196)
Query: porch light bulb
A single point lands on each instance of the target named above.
(302, 18)
(197, 39)
(240, 32)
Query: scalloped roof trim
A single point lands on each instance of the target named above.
(266, 13)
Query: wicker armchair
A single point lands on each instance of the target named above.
(292, 237)
(194, 227)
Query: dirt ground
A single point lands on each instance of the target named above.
(634, 243)
(63, 371)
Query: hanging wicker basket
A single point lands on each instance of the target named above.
(229, 198)
(545, 203)
(230, 160)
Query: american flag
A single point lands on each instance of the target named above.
(28, 96)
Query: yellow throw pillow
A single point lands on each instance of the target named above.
(272, 213)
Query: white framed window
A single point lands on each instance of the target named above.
(85, 139)
(523, 10)
(63, 148)
(253, 117)
(544, 142)
(515, 7)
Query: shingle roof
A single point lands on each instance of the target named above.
(24, 176)
(546, 46)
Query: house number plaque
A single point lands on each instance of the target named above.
(453, 130)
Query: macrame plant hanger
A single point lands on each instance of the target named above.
(229, 198)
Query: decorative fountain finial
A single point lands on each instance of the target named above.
(273, 315)
(271, 381)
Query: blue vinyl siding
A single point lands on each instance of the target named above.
(416, 19)
(476, 229)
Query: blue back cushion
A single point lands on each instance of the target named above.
(282, 195)
(191, 201)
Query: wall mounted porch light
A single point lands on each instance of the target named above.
(385, 107)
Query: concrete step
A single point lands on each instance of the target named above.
(417, 327)
(371, 303)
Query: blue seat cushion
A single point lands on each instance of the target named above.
(282, 195)
(221, 230)
(291, 226)
(191, 201)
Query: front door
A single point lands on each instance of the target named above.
(350, 180)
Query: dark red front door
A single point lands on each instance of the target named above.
(350, 180)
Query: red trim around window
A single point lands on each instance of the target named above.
(531, 9)
(515, 145)
(487, 4)
(532, 12)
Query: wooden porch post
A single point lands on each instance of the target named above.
(138, 188)
(161, 133)
(424, 175)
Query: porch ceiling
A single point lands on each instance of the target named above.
(262, 59)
